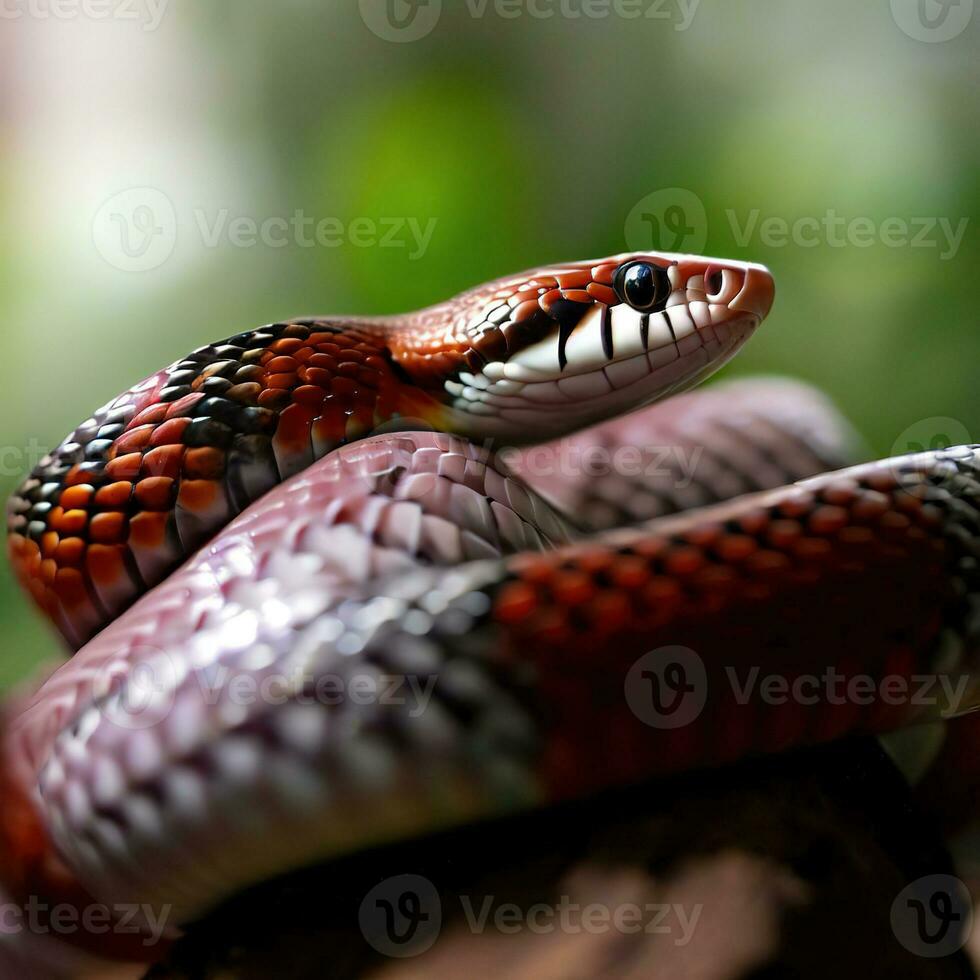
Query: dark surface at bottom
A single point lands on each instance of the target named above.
(796, 861)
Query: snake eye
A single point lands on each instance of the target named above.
(645, 287)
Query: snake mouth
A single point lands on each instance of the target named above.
(613, 348)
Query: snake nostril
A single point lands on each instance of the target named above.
(713, 280)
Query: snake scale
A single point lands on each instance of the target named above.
(314, 611)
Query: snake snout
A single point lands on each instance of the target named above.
(752, 290)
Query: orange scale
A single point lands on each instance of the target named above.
(69, 587)
(705, 535)
(349, 369)
(76, 476)
(308, 395)
(604, 273)
(884, 480)
(108, 528)
(603, 294)
(183, 405)
(572, 588)
(327, 432)
(754, 522)
(198, 495)
(578, 278)
(49, 571)
(106, 565)
(282, 365)
(114, 495)
(162, 461)
(325, 361)
(526, 310)
(155, 492)
(515, 602)
(287, 345)
(124, 467)
(204, 463)
(684, 561)
(735, 547)
(784, 532)
(49, 544)
(320, 337)
(610, 611)
(828, 519)
(630, 573)
(78, 496)
(133, 440)
(70, 552)
(351, 354)
(280, 380)
(170, 432)
(274, 399)
(550, 627)
(68, 521)
(152, 415)
(148, 530)
(870, 507)
(304, 355)
(320, 377)
(661, 589)
(597, 560)
(576, 295)
(650, 547)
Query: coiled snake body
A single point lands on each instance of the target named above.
(403, 636)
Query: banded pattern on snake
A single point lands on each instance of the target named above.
(134, 775)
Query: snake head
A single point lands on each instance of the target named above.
(553, 349)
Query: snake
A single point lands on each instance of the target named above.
(335, 582)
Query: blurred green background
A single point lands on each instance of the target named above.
(528, 139)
